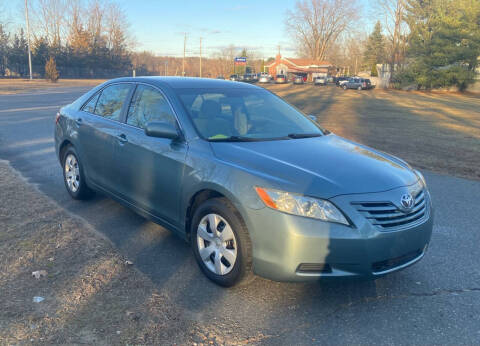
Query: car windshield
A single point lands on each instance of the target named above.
(244, 114)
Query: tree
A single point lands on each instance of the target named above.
(394, 12)
(4, 38)
(317, 24)
(444, 43)
(374, 49)
(51, 72)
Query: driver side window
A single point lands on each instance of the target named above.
(147, 105)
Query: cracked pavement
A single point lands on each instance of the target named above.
(436, 301)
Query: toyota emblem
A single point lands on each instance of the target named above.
(407, 201)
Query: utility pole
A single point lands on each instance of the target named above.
(200, 57)
(184, 49)
(356, 72)
(166, 67)
(28, 41)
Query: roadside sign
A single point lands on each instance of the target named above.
(240, 61)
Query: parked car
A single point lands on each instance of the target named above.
(264, 79)
(281, 79)
(220, 77)
(298, 80)
(339, 81)
(234, 77)
(320, 81)
(253, 184)
(357, 83)
(249, 78)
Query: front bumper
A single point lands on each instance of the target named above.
(294, 248)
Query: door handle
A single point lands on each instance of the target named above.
(78, 121)
(122, 138)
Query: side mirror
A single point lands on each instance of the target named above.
(161, 130)
(312, 117)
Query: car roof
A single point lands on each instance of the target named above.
(187, 82)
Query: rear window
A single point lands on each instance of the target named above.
(110, 102)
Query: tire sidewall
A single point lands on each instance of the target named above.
(236, 223)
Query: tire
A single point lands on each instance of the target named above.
(344, 87)
(73, 175)
(216, 253)
(359, 88)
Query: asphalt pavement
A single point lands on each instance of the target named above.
(436, 301)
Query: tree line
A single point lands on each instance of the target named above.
(86, 40)
(421, 43)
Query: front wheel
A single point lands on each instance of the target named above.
(221, 243)
(344, 87)
(359, 88)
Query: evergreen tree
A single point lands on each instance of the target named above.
(375, 49)
(51, 72)
(444, 43)
(4, 48)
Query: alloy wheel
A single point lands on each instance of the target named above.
(72, 173)
(216, 243)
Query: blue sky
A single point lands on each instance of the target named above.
(256, 24)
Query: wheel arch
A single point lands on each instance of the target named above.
(202, 194)
(62, 148)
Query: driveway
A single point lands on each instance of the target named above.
(436, 301)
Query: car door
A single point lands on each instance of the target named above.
(149, 169)
(98, 131)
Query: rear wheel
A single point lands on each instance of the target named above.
(344, 87)
(221, 243)
(73, 175)
(359, 88)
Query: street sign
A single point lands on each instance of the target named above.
(240, 61)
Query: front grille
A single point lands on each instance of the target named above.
(392, 263)
(387, 216)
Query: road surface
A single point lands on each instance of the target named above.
(437, 301)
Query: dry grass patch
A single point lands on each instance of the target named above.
(15, 86)
(438, 131)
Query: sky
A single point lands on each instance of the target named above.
(253, 24)
(159, 25)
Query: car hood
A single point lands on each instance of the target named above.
(322, 167)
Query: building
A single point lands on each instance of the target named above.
(308, 68)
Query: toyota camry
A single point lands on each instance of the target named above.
(256, 186)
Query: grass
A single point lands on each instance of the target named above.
(438, 131)
(91, 295)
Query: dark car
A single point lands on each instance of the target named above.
(253, 184)
(298, 80)
(234, 77)
(249, 78)
(357, 83)
(280, 79)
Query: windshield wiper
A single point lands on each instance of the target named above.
(303, 135)
(234, 139)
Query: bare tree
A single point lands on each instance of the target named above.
(50, 20)
(393, 12)
(317, 24)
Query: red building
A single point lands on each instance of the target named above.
(308, 68)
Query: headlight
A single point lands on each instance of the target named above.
(297, 204)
